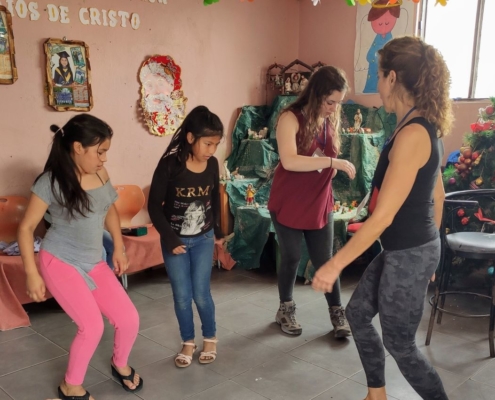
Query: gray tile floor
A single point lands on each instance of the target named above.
(256, 361)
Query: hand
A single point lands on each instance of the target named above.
(345, 166)
(220, 242)
(433, 277)
(120, 262)
(325, 278)
(36, 287)
(179, 250)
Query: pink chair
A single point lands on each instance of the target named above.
(12, 276)
(12, 209)
(143, 251)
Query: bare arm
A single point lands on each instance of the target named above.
(397, 184)
(34, 213)
(286, 140)
(112, 224)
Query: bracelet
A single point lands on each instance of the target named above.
(331, 162)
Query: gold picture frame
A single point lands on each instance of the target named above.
(68, 75)
(8, 70)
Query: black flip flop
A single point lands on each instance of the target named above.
(130, 378)
(62, 396)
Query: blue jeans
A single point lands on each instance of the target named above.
(190, 275)
(107, 248)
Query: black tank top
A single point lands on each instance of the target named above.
(414, 224)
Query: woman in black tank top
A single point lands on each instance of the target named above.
(406, 211)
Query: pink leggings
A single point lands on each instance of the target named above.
(85, 307)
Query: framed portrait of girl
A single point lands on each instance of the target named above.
(68, 75)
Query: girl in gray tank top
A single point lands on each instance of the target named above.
(75, 188)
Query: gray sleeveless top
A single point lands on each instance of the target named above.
(77, 241)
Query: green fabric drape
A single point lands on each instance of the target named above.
(256, 160)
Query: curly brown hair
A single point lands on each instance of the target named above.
(322, 84)
(423, 73)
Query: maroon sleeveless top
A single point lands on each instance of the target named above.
(303, 200)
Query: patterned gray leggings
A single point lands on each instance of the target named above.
(394, 286)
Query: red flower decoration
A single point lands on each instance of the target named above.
(482, 218)
(465, 221)
(480, 127)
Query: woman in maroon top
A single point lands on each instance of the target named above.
(301, 199)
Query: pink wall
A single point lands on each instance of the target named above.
(328, 34)
(223, 50)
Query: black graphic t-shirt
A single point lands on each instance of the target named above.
(186, 204)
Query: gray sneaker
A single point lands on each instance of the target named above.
(286, 318)
(341, 327)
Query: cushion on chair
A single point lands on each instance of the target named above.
(12, 209)
(353, 228)
(472, 242)
(131, 200)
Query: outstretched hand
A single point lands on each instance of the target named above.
(345, 166)
(325, 278)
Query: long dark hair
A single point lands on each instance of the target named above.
(322, 84)
(87, 130)
(61, 67)
(201, 122)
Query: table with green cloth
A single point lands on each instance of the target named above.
(256, 161)
(252, 225)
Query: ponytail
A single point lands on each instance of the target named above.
(431, 92)
(65, 184)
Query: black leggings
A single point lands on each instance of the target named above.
(394, 287)
(320, 248)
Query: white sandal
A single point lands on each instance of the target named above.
(212, 354)
(182, 357)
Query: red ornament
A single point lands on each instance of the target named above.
(467, 161)
(467, 153)
(452, 181)
(475, 155)
(489, 110)
(462, 167)
(465, 221)
(461, 213)
(462, 159)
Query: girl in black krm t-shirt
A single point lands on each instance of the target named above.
(184, 206)
(407, 203)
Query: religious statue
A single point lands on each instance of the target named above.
(236, 175)
(358, 120)
(288, 86)
(250, 192)
(303, 83)
(227, 172)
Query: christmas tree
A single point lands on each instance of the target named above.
(475, 167)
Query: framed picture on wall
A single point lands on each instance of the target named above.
(8, 70)
(68, 75)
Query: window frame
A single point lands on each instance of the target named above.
(421, 31)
